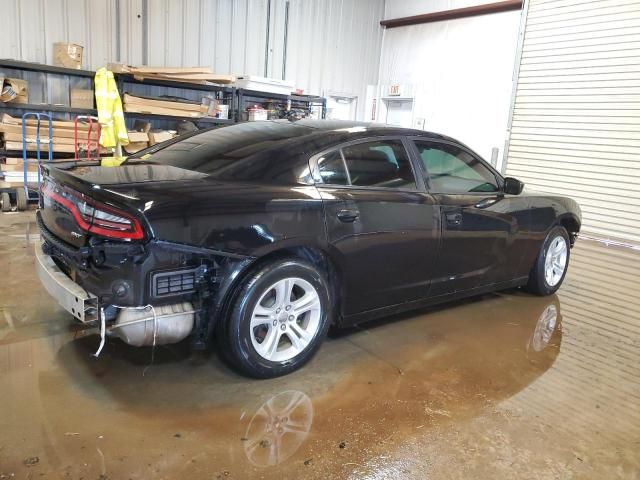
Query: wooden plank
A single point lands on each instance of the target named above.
(152, 78)
(135, 108)
(31, 147)
(148, 102)
(13, 137)
(18, 168)
(187, 77)
(8, 119)
(170, 70)
(44, 131)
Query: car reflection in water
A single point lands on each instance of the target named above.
(547, 323)
(278, 428)
(456, 360)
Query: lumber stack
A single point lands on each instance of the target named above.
(197, 75)
(63, 135)
(13, 173)
(164, 106)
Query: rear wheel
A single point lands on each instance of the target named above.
(278, 319)
(551, 264)
(6, 202)
(21, 199)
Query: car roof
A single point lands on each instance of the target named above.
(265, 151)
(366, 128)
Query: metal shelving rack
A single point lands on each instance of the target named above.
(18, 109)
(237, 98)
(246, 98)
(308, 101)
(124, 80)
(226, 94)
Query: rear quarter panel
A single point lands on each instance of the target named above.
(244, 219)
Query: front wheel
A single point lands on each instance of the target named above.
(278, 319)
(550, 267)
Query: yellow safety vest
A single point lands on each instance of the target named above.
(113, 129)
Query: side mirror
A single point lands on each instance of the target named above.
(512, 186)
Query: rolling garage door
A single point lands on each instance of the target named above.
(575, 125)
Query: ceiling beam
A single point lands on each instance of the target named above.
(473, 11)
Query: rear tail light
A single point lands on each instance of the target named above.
(93, 216)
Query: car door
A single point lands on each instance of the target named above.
(481, 227)
(382, 226)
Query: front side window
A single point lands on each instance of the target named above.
(332, 170)
(382, 163)
(454, 170)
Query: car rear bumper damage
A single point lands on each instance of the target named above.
(138, 326)
(153, 294)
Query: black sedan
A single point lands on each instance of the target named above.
(261, 235)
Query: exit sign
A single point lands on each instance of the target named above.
(394, 90)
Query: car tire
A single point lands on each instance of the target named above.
(22, 202)
(6, 202)
(270, 332)
(547, 274)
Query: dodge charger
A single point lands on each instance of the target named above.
(259, 236)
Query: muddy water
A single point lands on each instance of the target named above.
(506, 385)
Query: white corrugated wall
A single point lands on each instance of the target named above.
(331, 45)
(575, 127)
(31, 27)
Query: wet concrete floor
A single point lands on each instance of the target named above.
(503, 386)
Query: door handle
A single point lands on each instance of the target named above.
(454, 219)
(347, 215)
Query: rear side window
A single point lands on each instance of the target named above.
(382, 163)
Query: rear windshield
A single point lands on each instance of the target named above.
(248, 152)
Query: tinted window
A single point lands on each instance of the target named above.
(384, 163)
(263, 152)
(454, 170)
(331, 168)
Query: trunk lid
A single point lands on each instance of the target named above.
(82, 201)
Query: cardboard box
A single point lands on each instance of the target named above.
(159, 137)
(14, 90)
(67, 55)
(81, 98)
(137, 137)
(134, 147)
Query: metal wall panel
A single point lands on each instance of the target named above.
(334, 46)
(331, 45)
(31, 27)
(575, 126)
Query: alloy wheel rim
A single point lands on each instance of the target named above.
(545, 327)
(285, 319)
(278, 428)
(555, 261)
